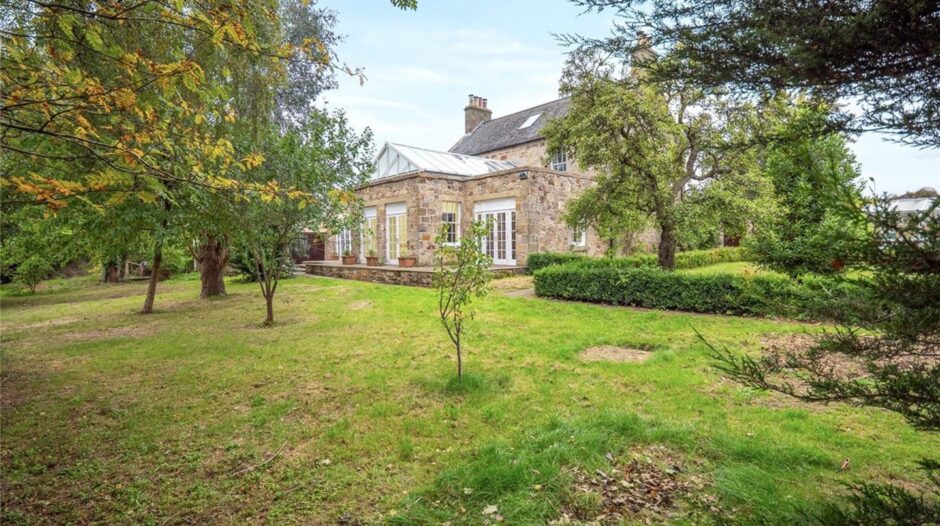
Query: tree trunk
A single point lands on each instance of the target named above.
(213, 258)
(114, 270)
(459, 364)
(269, 319)
(154, 278)
(112, 273)
(667, 246)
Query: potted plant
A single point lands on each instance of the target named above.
(348, 258)
(372, 260)
(407, 261)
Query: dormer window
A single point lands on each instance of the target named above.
(530, 121)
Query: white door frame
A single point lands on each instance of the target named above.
(396, 210)
(493, 209)
(368, 213)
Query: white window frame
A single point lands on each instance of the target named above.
(368, 237)
(576, 240)
(398, 211)
(344, 242)
(498, 240)
(456, 223)
(560, 162)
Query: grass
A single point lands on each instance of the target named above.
(737, 267)
(348, 408)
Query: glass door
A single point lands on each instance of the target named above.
(396, 237)
(500, 242)
(368, 243)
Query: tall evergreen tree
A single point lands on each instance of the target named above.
(884, 54)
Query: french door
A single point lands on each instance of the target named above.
(500, 242)
(368, 244)
(396, 232)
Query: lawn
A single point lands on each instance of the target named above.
(346, 411)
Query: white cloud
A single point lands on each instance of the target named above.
(480, 42)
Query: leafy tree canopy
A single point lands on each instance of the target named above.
(812, 178)
(648, 143)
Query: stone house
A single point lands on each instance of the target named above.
(497, 171)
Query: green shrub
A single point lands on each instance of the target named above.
(617, 283)
(684, 260)
(541, 260)
(176, 261)
(32, 271)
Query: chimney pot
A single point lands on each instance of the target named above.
(475, 113)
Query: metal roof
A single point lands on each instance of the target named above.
(397, 159)
(510, 130)
(912, 204)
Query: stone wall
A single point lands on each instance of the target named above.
(390, 275)
(526, 154)
(540, 196)
(549, 233)
(531, 154)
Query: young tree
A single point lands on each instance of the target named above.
(310, 173)
(882, 53)
(461, 274)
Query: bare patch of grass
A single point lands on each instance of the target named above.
(515, 287)
(611, 353)
(360, 305)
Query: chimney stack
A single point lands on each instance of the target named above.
(475, 113)
(642, 54)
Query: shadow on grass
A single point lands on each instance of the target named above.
(470, 384)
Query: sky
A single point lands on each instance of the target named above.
(421, 65)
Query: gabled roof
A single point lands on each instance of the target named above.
(396, 159)
(508, 131)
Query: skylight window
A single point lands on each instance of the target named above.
(530, 121)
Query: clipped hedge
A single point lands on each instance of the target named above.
(812, 298)
(541, 260)
(684, 260)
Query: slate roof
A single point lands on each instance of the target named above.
(504, 132)
(396, 159)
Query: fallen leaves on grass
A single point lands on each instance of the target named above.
(650, 484)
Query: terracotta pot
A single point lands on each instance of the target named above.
(349, 260)
(372, 261)
(407, 261)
